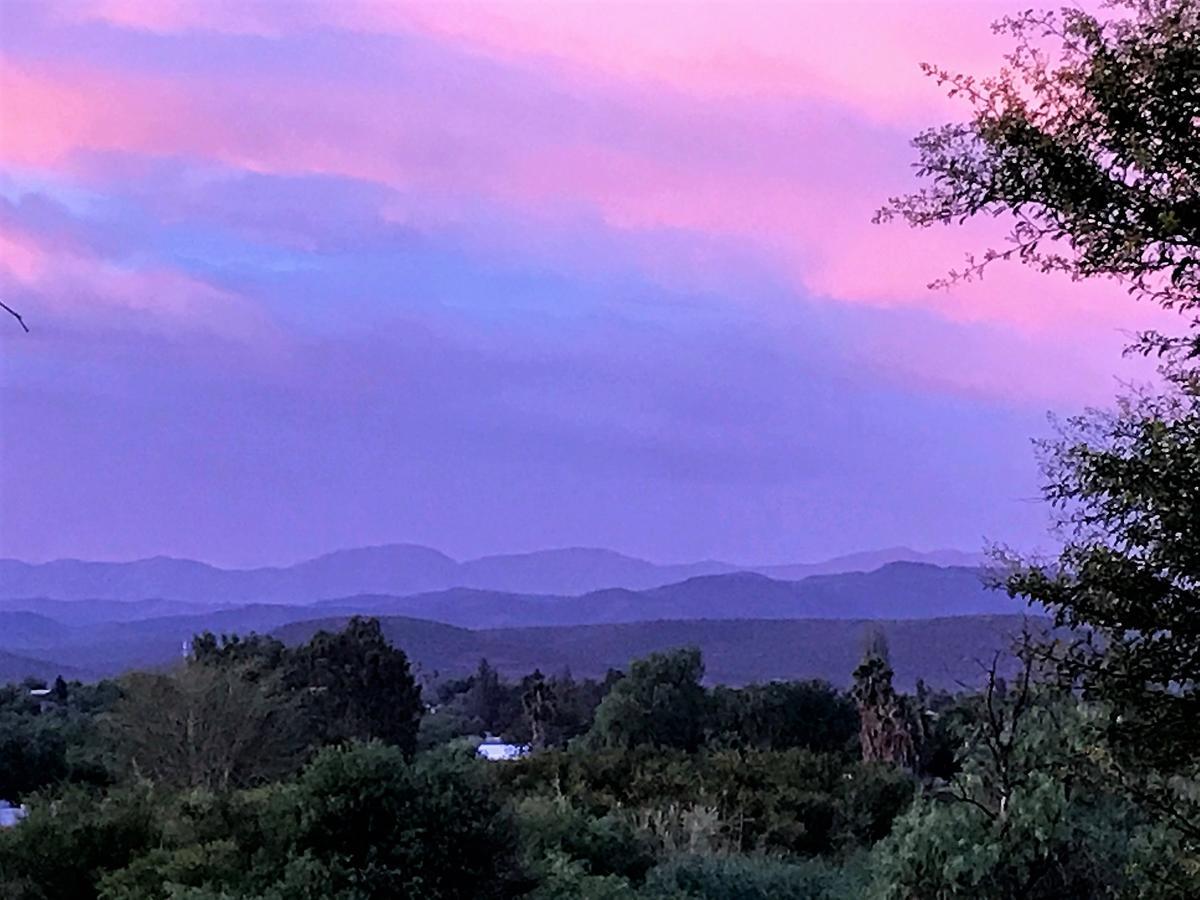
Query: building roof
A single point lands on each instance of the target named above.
(496, 750)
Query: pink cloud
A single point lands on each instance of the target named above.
(749, 130)
(52, 113)
(862, 53)
(778, 205)
(68, 281)
(20, 256)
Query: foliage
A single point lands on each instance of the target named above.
(206, 726)
(1127, 489)
(554, 829)
(781, 715)
(390, 829)
(51, 740)
(887, 725)
(358, 822)
(753, 878)
(68, 840)
(350, 684)
(1086, 141)
(1030, 815)
(562, 707)
(540, 705)
(357, 685)
(660, 703)
(791, 801)
(562, 878)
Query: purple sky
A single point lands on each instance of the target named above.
(497, 278)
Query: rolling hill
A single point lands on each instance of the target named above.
(593, 630)
(946, 652)
(15, 668)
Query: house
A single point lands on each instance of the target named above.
(493, 748)
(10, 815)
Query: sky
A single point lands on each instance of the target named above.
(496, 277)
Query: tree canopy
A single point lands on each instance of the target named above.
(1085, 143)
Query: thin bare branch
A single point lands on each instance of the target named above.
(16, 315)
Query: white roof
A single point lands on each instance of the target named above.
(496, 750)
(11, 815)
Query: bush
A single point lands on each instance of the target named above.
(432, 829)
(603, 845)
(69, 840)
(754, 878)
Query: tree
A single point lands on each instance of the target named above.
(374, 823)
(356, 685)
(359, 822)
(206, 726)
(541, 707)
(885, 729)
(1126, 487)
(16, 315)
(62, 849)
(485, 700)
(660, 703)
(46, 743)
(256, 652)
(781, 715)
(754, 878)
(1086, 143)
(1031, 814)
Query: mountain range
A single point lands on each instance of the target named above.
(399, 570)
(456, 626)
(899, 590)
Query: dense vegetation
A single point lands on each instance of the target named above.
(257, 770)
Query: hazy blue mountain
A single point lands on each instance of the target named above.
(399, 568)
(93, 612)
(20, 628)
(898, 590)
(396, 569)
(576, 570)
(15, 668)
(870, 560)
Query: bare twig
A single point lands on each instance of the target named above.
(16, 315)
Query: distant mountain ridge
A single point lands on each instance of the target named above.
(49, 632)
(398, 570)
(895, 591)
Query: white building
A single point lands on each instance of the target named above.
(10, 815)
(495, 749)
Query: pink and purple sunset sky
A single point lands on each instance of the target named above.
(497, 277)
